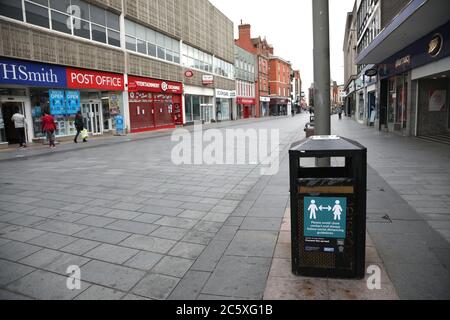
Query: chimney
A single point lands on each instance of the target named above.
(244, 31)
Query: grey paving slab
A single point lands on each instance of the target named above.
(144, 260)
(199, 237)
(80, 246)
(103, 235)
(197, 206)
(151, 244)
(253, 244)
(10, 271)
(176, 222)
(170, 233)
(147, 218)
(173, 266)
(44, 285)
(167, 203)
(261, 224)
(52, 240)
(208, 226)
(15, 251)
(266, 212)
(95, 221)
(110, 253)
(65, 228)
(111, 276)
(19, 233)
(190, 286)
(243, 277)
(10, 296)
(28, 221)
(132, 227)
(94, 293)
(122, 214)
(227, 233)
(54, 261)
(133, 297)
(211, 256)
(187, 250)
(163, 211)
(156, 286)
(97, 211)
(191, 214)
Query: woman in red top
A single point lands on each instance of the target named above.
(49, 128)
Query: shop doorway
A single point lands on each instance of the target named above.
(93, 116)
(7, 129)
(206, 112)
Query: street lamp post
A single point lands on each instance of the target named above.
(321, 33)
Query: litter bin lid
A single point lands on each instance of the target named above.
(327, 144)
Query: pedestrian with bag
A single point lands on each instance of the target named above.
(79, 125)
(49, 128)
(19, 125)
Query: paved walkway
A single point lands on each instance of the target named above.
(142, 228)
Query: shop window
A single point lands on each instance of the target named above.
(11, 9)
(61, 22)
(169, 56)
(98, 33)
(37, 15)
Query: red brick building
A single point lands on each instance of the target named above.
(279, 85)
(262, 50)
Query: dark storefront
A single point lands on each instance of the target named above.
(154, 104)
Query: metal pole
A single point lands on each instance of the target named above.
(322, 94)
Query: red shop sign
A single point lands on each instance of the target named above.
(154, 85)
(87, 79)
(246, 101)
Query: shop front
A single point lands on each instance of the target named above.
(154, 104)
(415, 86)
(36, 88)
(264, 105)
(199, 104)
(224, 104)
(245, 107)
(279, 106)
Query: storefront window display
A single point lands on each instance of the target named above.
(223, 109)
(198, 108)
(397, 113)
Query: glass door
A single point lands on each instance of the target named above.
(206, 112)
(93, 117)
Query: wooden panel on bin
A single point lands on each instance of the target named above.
(325, 190)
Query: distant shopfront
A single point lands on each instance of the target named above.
(264, 106)
(35, 88)
(279, 106)
(245, 107)
(154, 104)
(224, 104)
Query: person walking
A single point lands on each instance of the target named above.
(19, 125)
(79, 125)
(340, 113)
(49, 128)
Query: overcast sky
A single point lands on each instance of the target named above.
(287, 24)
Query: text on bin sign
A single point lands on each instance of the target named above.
(94, 80)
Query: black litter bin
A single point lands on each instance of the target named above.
(328, 208)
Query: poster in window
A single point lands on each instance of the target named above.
(437, 100)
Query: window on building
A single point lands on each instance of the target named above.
(74, 17)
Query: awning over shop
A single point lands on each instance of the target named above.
(417, 19)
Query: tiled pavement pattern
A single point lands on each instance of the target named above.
(137, 225)
(141, 228)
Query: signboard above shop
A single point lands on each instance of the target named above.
(49, 76)
(225, 94)
(207, 79)
(154, 85)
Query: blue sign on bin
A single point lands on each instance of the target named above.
(325, 217)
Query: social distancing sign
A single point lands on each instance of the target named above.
(325, 217)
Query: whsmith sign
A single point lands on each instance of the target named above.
(43, 75)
